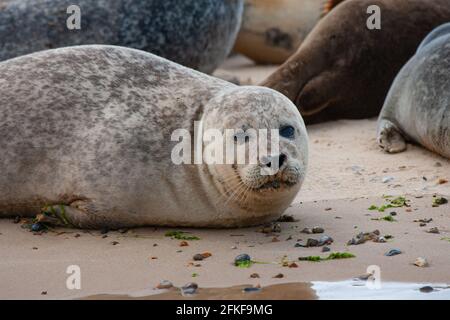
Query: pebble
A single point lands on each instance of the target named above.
(35, 227)
(433, 230)
(286, 218)
(323, 240)
(184, 244)
(275, 239)
(251, 289)
(44, 293)
(392, 252)
(77, 235)
(306, 230)
(326, 249)
(312, 243)
(254, 275)
(426, 289)
(380, 239)
(387, 179)
(363, 237)
(190, 288)
(241, 258)
(104, 236)
(164, 284)
(438, 164)
(279, 276)
(198, 257)
(233, 248)
(318, 230)
(421, 262)
(17, 219)
(293, 265)
(115, 243)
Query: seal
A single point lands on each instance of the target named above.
(199, 34)
(272, 30)
(345, 70)
(417, 108)
(86, 139)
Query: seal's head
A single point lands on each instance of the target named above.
(260, 162)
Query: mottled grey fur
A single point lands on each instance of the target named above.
(417, 108)
(88, 128)
(198, 34)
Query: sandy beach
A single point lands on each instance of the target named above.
(348, 173)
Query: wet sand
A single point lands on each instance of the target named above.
(348, 173)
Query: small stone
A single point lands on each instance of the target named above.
(198, 257)
(438, 164)
(392, 252)
(318, 230)
(286, 218)
(251, 289)
(233, 248)
(421, 262)
(293, 265)
(289, 238)
(104, 231)
(426, 289)
(254, 275)
(422, 224)
(114, 243)
(275, 239)
(44, 293)
(325, 240)
(104, 236)
(312, 243)
(306, 230)
(189, 289)
(442, 181)
(155, 244)
(393, 213)
(124, 230)
(328, 209)
(184, 244)
(36, 227)
(35, 248)
(164, 284)
(77, 235)
(242, 258)
(364, 277)
(206, 254)
(433, 230)
(326, 249)
(17, 219)
(153, 258)
(279, 276)
(387, 179)
(380, 239)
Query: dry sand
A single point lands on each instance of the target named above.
(348, 173)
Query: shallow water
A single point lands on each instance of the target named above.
(350, 289)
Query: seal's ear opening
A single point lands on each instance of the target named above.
(329, 5)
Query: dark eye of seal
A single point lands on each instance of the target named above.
(287, 132)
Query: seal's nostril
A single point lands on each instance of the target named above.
(281, 159)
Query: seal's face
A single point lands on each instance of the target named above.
(269, 140)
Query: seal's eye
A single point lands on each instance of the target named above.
(287, 132)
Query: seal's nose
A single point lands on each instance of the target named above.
(281, 160)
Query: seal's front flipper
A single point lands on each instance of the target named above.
(75, 215)
(390, 137)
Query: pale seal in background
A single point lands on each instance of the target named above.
(345, 70)
(417, 108)
(199, 34)
(272, 30)
(85, 134)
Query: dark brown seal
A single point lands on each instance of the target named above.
(343, 69)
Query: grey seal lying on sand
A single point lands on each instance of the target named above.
(417, 108)
(85, 134)
(198, 34)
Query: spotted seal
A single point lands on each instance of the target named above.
(344, 69)
(86, 138)
(198, 34)
(417, 108)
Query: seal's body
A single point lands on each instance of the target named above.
(85, 134)
(272, 30)
(198, 34)
(417, 108)
(343, 69)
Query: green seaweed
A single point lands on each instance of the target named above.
(180, 235)
(331, 256)
(393, 203)
(194, 275)
(244, 263)
(437, 201)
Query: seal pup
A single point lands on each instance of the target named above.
(86, 140)
(272, 30)
(199, 34)
(343, 69)
(417, 108)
